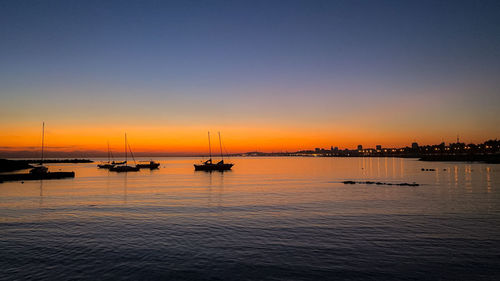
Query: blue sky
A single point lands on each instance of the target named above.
(311, 63)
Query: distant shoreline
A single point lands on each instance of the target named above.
(9, 165)
(479, 158)
(488, 159)
(63, 160)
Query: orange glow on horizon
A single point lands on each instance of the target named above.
(193, 139)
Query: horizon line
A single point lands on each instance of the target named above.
(31, 152)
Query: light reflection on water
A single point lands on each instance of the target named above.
(269, 218)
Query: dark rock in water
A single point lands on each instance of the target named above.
(349, 182)
(408, 184)
(381, 183)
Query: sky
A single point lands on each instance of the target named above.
(269, 75)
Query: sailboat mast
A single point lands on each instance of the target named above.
(131, 153)
(209, 146)
(43, 138)
(109, 155)
(125, 148)
(220, 144)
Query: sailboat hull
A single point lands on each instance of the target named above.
(124, 169)
(151, 165)
(213, 167)
(105, 166)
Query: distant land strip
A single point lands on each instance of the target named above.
(487, 152)
(59, 161)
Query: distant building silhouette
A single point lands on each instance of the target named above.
(488, 152)
(414, 145)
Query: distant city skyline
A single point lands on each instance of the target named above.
(118, 151)
(270, 75)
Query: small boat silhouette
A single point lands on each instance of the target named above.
(109, 164)
(124, 167)
(41, 169)
(39, 172)
(151, 165)
(209, 165)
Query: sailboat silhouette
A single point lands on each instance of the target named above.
(40, 169)
(209, 165)
(125, 167)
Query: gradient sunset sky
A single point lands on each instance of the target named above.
(270, 75)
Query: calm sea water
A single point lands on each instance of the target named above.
(268, 219)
